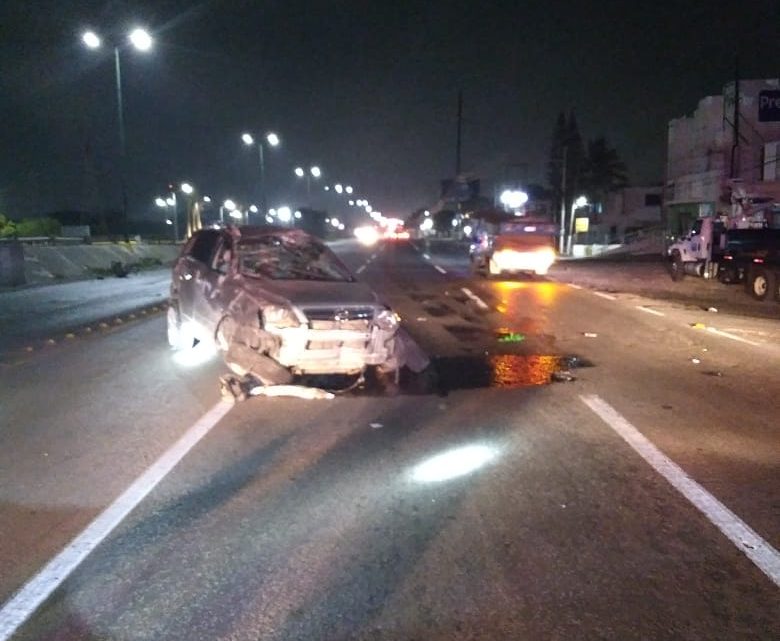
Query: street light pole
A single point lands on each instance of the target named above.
(122, 139)
(261, 157)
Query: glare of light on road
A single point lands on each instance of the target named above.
(453, 463)
(201, 353)
(141, 39)
(91, 39)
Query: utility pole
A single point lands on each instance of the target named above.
(460, 126)
(561, 244)
(734, 173)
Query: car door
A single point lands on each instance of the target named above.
(193, 270)
(215, 291)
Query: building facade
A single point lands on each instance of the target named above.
(722, 159)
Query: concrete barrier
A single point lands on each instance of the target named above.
(44, 264)
(11, 264)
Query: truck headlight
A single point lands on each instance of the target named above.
(387, 320)
(279, 317)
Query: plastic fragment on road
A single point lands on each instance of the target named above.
(590, 335)
(698, 325)
(695, 361)
(712, 309)
(296, 391)
(375, 426)
(563, 376)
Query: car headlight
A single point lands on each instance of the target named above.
(279, 317)
(387, 320)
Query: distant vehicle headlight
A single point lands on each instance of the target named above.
(387, 320)
(279, 317)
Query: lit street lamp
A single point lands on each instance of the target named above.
(142, 41)
(273, 140)
(314, 172)
(228, 205)
(579, 203)
(186, 188)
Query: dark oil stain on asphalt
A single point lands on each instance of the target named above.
(500, 371)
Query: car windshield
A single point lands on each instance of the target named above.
(283, 258)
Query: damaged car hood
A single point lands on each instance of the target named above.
(311, 293)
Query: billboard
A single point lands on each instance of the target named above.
(769, 105)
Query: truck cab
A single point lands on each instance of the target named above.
(698, 253)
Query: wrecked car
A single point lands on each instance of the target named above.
(278, 303)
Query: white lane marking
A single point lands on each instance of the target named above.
(654, 312)
(733, 337)
(480, 303)
(426, 257)
(33, 593)
(573, 286)
(763, 555)
(440, 269)
(361, 268)
(603, 295)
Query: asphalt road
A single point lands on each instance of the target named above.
(498, 505)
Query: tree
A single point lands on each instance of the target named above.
(7, 227)
(603, 171)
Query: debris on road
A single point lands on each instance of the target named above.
(713, 373)
(712, 309)
(698, 325)
(563, 376)
(296, 391)
(506, 336)
(375, 426)
(695, 361)
(590, 335)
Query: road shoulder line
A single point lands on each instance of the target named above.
(759, 551)
(27, 600)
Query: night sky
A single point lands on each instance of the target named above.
(365, 89)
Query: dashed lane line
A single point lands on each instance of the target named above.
(27, 600)
(649, 310)
(760, 552)
(480, 303)
(603, 295)
(360, 269)
(441, 270)
(733, 337)
(573, 286)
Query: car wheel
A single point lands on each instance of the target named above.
(762, 283)
(677, 267)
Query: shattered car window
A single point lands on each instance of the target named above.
(280, 258)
